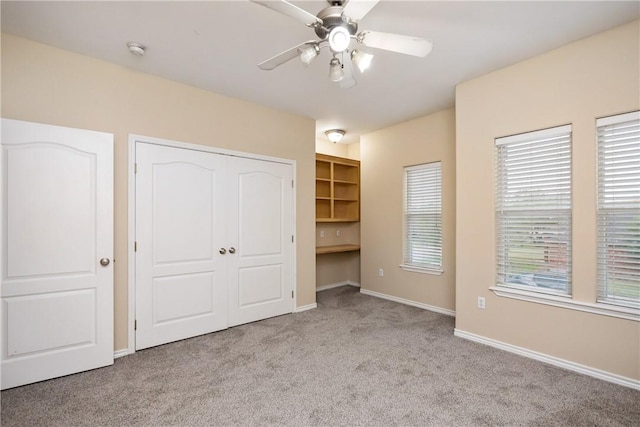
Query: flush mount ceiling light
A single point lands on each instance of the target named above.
(334, 135)
(336, 26)
(136, 48)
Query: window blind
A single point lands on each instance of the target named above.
(423, 216)
(533, 211)
(619, 210)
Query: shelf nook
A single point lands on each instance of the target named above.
(337, 189)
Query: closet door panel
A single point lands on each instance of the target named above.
(181, 285)
(214, 240)
(261, 231)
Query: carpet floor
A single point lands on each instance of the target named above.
(356, 360)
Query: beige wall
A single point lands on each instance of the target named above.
(53, 86)
(384, 153)
(350, 151)
(575, 84)
(338, 267)
(353, 151)
(331, 149)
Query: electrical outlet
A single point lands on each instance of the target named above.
(337, 233)
(321, 233)
(481, 303)
(380, 272)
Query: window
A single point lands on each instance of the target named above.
(423, 218)
(619, 210)
(533, 211)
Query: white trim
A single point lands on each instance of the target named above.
(430, 165)
(428, 188)
(207, 149)
(618, 118)
(527, 290)
(433, 308)
(536, 134)
(131, 222)
(294, 231)
(423, 270)
(564, 302)
(131, 255)
(556, 361)
(337, 285)
(305, 307)
(121, 353)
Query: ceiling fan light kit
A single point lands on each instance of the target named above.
(335, 70)
(336, 26)
(339, 39)
(361, 59)
(309, 53)
(334, 135)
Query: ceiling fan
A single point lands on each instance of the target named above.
(336, 26)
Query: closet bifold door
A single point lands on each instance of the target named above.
(181, 286)
(214, 242)
(261, 227)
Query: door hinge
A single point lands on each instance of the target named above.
(291, 294)
(135, 168)
(135, 325)
(292, 238)
(135, 246)
(291, 183)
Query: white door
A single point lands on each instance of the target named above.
(57, 226)
(180, 274)
(261, 229)
(213, 242)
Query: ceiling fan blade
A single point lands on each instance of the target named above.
(283, 57)
(396, 43)
(292, 11)
(357, 9)
(349, 79)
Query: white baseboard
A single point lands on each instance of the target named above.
(337, 285)
(305, 307)
(409, 302)
(121, 353)
(566, 364)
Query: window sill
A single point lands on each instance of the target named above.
(565, 302)
(423, 270)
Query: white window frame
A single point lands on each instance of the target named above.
(565, 302)
(618, 198)
(434, 192)
(519, 208)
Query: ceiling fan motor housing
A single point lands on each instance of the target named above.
(331, 18)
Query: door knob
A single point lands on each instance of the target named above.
(223, 251)
(104, 262)
(232, 250)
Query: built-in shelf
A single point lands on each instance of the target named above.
(337, 220)
(337, 189)
(336, 249)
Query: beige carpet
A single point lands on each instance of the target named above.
(356, 360)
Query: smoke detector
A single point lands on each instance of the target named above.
(136, 48)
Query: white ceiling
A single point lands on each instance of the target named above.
(216, 45)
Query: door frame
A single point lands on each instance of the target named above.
(131, 218)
